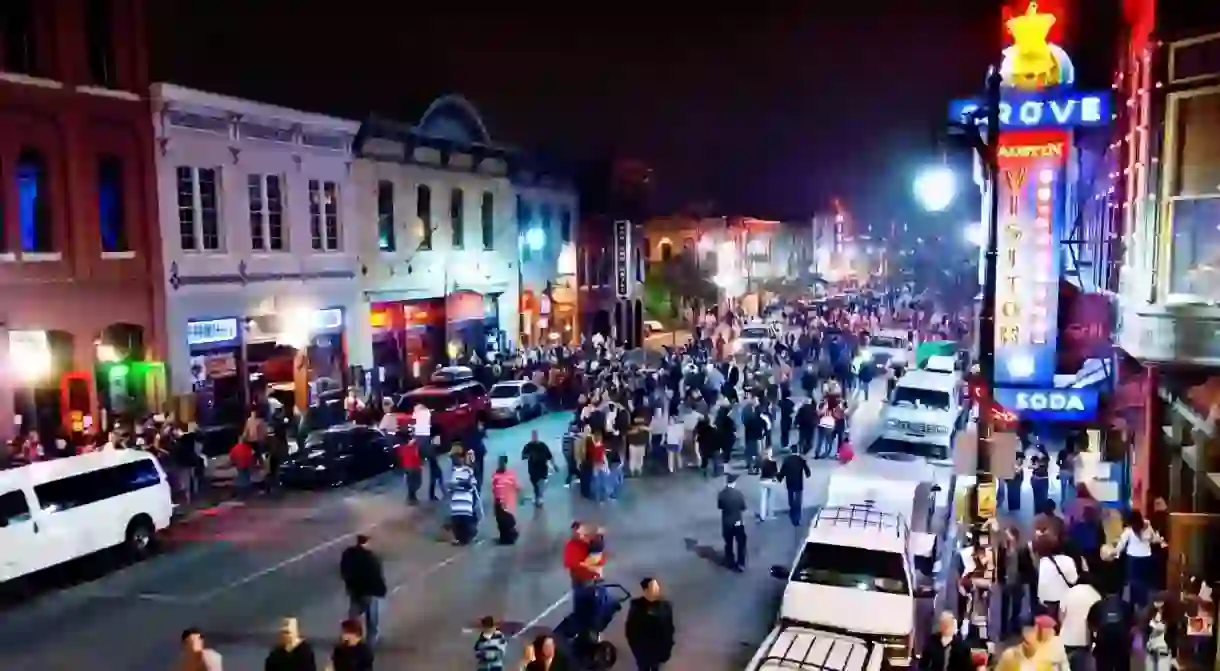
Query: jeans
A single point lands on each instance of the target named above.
(368, 610)
(1010, 608)
(436, 478)
(804, 440)
(1012, 492)
(751, 453)
(413, 478)
(1139, 577)
(1041, 488)
(785, 431)
(734, 545)
(826, 444)
(766, 490)
(796, 498)
(1067, 490)
(539, 487)
(601, 482)
(616, 480)
(464, 528)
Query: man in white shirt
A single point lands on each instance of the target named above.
(1056, 575)
(1074, 619)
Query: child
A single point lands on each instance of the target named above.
(491, 647)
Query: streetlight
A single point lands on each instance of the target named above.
(535, 239)
(935, 188)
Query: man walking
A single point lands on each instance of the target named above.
(650, 627)
(364, 581)
(793, 473)
(538, 460)
(732, 506)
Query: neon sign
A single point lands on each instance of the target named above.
(1027, 291)
(1042, 110)
(1069, 404)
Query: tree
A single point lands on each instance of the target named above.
(677, 284)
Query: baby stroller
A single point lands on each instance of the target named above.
(582, 640)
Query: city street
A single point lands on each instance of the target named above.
(236, 572)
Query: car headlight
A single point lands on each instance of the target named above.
(891, 423)
(320, 467)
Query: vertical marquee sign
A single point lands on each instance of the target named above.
(1027, 289)
(1039, 109)
(622, 258)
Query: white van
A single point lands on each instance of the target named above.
(791, 646)
(924, 409)
(54, 511)
(857, 575)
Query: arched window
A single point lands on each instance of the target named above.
(33, 202)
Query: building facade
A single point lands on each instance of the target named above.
(1162, 201)
(79, 304)
(261, 250)
(547, 215)
(458, 224)
(616, 200)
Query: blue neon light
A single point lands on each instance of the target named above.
(1043, 109)
(1055, 405)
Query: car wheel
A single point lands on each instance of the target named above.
(519, 416)
(140, 537)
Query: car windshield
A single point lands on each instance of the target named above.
(755, 332)
(505, 391)
(857, 568)
(886, 342)
(326, 441)
(914, 397)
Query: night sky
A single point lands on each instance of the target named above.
(766, 108)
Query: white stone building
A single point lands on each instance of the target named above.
(442, 250)
(259, 235)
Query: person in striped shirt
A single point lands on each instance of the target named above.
(465, 505)
(491, 648)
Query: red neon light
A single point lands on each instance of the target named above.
(1021, 148)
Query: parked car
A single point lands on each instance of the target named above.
(456, 410)
(515, 401)
(337, 456)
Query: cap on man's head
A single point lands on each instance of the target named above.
(363, 539)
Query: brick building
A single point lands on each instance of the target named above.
(78, 302)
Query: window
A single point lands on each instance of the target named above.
(565, 225)
(456, 218)
(86, 488)
(487, 211)
(423, 212)
(111, 214)
(1194, 197)
(99, 32)
(33, 202)
(324, 215)
(923, 399)
(667, 251)
(505, 391)
(385, 216)
(524, 215)
(852, 567)
(13, 508)
(266, 198)
(198, 224)
(17, 38)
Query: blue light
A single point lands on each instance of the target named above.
(1044, 109)
(535, 239)
(1041, 404)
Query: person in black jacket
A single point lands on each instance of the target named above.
(364, 581)
(793, 473)
(650, 627)
(1017, 574)
(786, 409)
(944, 649)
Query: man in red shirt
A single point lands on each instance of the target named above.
(584, 566)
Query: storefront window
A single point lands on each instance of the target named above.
(1194, 207)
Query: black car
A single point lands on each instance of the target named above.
(337, 456)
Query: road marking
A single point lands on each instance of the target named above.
(434, 568)
(213, 593)
(542, 616)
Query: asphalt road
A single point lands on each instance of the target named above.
(236, 571)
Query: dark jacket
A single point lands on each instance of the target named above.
(732, 505)
(1027, 566)
(935, 652)
(361, 572)
(650, 629)
(794, 471)
(300, 658)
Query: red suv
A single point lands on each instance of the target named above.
(456, 409)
